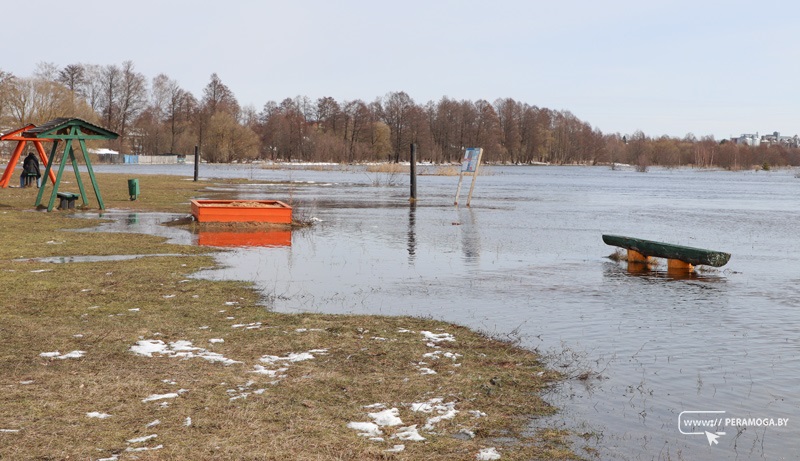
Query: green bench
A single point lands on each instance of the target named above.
(66, 200)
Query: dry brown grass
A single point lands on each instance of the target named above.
(104, 308)
(387, 168)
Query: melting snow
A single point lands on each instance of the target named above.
(133, 450)
(182, 349)
(390, 417)
(396, 449)
(409, 433)
(58, 355)
(170, 395)
(437, 338)
(97, 414)
(143, 439)
(365, 429)
(488, 454)
(293, 356)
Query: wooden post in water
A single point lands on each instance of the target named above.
(196, 162)
(413, 173)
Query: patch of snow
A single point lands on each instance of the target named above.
(216, 340)
(390, 417)
(293, 356)
(374, 406)
(470, 434)
(154, 423)
(154, 397)
(134, 450)
(365, 429)
(427, 371)
(148, 347)
(271, 373)
(477, 414)
(408, 433)
(488, 454)
(97, 414)
(181, 349)
(9, 431)
(396, 449)
(188, 421)
(142, 439)
(58, 355)
(437, 338)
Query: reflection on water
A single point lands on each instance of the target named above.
(526, 261)
(267, 238)
(470, 236)
(412, 237)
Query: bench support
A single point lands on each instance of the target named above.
(636, 257)
(676, 265)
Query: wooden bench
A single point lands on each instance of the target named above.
(28, 179)
(678, 257)
(66, 200)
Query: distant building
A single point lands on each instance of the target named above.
(747, 140)
(776, 138)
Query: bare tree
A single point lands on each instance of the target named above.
(396, 114)
(132, 97)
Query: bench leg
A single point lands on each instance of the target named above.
(636, 257)
(676, 265)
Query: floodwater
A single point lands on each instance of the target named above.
(646, 352)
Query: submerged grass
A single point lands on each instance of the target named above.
(263, 403)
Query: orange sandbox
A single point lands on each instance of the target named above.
(265, 211)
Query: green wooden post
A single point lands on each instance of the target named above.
(77, 174)
(47, 174)
(91, 174)
(60, 173)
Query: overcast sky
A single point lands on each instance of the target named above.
(717, 68)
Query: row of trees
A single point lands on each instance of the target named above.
(158, 116)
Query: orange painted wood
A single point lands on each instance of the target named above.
(43, 157)
(636, 257)
(268, 211)
(9, 172)
(676, 265)
(240, 239)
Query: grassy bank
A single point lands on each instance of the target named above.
(135, 359)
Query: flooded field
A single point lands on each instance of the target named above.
(661, 367)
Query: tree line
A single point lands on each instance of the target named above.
(158, 116)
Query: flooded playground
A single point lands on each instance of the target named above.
(656, 362)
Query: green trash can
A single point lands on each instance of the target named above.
(133, 188)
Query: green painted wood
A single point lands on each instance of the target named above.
(77, 172)
(91, 174)
(691, 255)
(47, 173)
(70, 128)
(60, 173)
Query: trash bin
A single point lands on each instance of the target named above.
(133, 188)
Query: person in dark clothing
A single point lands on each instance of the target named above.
(30, 167)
